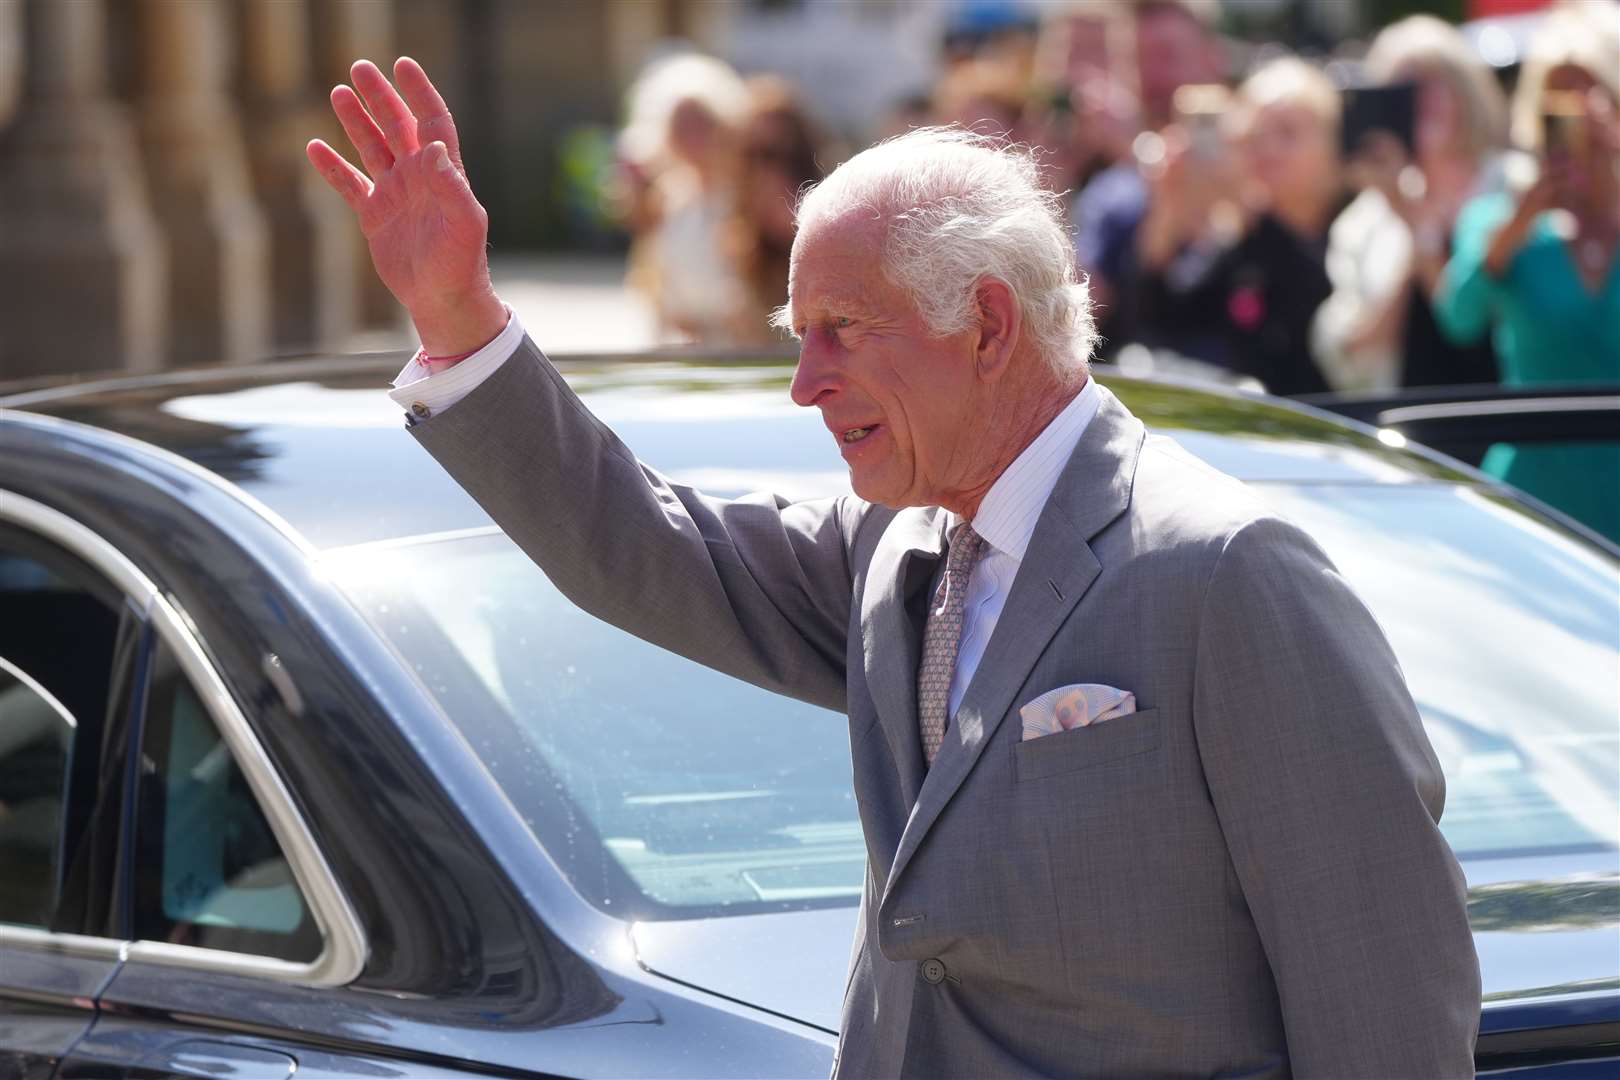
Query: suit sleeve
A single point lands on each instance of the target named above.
(755, 587)
(1329, 797)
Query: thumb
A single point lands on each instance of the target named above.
(454, 195)
(441, 169)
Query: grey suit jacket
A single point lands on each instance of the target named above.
(1243, 879)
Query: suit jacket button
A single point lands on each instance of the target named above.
(933, 971)
(421, 409)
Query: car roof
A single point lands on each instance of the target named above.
(321, 444)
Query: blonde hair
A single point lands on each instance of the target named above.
(664, 84)
(1584, 34)
(1288, 80)
(1436, 48)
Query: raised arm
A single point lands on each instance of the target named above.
(757, 587)
(426, 230)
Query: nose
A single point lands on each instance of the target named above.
(816, 375)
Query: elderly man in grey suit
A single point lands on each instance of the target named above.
(1143, 790)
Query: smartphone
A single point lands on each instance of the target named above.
(1563, 123)
(1390, 109)
(1199, 108)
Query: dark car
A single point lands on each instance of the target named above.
(1559, 443)
(304, 766)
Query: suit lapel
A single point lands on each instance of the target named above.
(1056, 571)
(902, 564)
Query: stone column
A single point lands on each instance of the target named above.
(346, 31)
(313, 240)
(82, 262)
(219, 296)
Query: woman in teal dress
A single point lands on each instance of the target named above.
(1538, 270)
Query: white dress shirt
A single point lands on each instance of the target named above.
(421, 392)
(1006, 518)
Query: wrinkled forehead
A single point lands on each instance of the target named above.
(836, 255)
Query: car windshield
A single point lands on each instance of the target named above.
(665, 790)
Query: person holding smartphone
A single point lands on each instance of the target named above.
(1235, 281)
(1423, 138)
(1537, 270)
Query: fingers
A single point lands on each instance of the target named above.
(362, 131)
(1602, 121)
(345, 179)
(433, 120)
(387, 108)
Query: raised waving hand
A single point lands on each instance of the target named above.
(426, 230)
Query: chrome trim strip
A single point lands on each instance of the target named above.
(81, 541)
(392, 542)
(94, 948)
(39, 691)
(1506, 999)
(1401, 414)
(344, 946)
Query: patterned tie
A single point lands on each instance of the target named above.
(941, 638)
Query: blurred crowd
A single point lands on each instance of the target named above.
(708, 172)
(1378, 218)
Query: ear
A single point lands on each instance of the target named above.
(1000, 322)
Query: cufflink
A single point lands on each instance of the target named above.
(421, 410)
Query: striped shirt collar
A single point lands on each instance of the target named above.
(1007, 516)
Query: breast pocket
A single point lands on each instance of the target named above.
(1081, 748)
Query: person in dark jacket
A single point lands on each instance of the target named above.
(1232, 251)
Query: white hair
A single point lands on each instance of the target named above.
(961, 208)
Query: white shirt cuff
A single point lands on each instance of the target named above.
(423, 394)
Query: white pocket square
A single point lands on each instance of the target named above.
(1074, 706)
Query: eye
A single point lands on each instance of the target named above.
(842, 322)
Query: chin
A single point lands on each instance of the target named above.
(881, 494)
(868, 488)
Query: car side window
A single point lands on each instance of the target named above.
(59, 623)
(36, 746)
(209, 870)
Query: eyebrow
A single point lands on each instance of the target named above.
(784, 318)
(846, 302)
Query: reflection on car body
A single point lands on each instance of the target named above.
(464, 828)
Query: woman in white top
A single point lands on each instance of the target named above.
(1386, 250)
(686, 112)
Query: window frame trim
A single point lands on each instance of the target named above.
(343, 941)
(39, 691)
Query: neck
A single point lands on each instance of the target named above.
(1598, 212)
(1017, 419)
(1448, 173)
(1307, 215)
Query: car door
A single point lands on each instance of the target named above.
(69, 644)
(220, 892)
(145, 833)
(236, 961)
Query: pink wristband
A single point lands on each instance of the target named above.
(437, 364)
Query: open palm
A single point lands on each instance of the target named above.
(425, 228)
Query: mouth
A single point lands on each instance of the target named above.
(850, 436)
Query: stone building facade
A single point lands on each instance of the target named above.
(156, 209)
